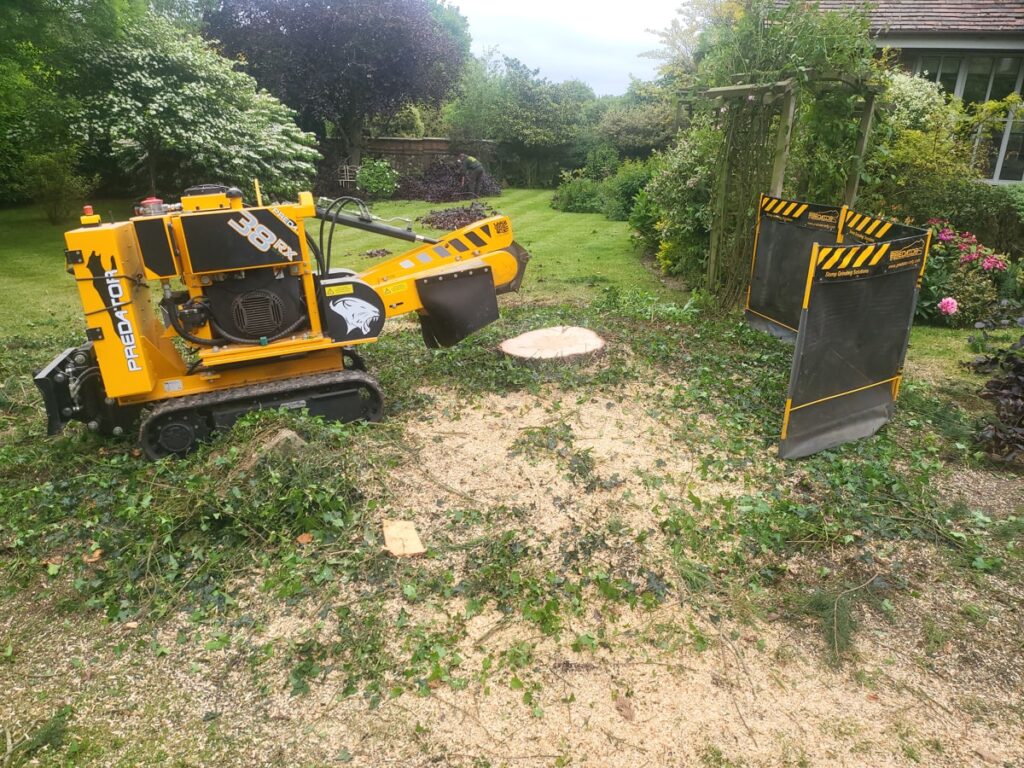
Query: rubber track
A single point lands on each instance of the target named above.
(208, 399)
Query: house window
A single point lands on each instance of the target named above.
(1004, 77)
(975, 79)
(1012, 168)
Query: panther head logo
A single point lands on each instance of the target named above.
(356, 313)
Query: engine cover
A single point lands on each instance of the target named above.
(258, 305)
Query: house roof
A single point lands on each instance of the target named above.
(938, 16)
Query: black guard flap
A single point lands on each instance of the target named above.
(456, 304)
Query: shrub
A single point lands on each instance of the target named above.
(619, 191)
(1003, 436)
(680, 194)
(577, 194)
(962, 278)
(50, 180)
(925, 163)
(644, 221)
(377, 178)
(602, 162)
(1015, 197)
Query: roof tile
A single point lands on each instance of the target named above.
(934, 16)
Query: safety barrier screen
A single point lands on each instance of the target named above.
(786, 231)
(854, 310)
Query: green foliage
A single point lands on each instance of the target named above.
(378, 178)
(50, 179)
(643, 220)
(1015, 194)
(538, 124)
(604, 185)
(619, 191)
(407, 122)
(834, 614)
(925, 163)
(174, 112)
(48, 736)
(765, 42)
(636, 130)
(679, 195)
(342, 62)
(912, 103)
(769, 41)
(577, 194)
(185, 536)
(41, 45)
(602, 162)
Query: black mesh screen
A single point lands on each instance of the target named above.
(851, 337)
(781, 251)
(852, 341)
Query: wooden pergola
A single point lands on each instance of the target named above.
(786, 92)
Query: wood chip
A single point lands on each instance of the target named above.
(560, 342)
(401, 538)
(92, 557)
(624, 707)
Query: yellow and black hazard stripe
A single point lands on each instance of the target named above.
(851, 256)
(864, 226)
(787, 209)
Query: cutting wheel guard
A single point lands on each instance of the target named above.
(455, 305)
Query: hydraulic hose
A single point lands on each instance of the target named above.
(370, 225)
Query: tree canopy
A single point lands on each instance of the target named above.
(39, 40)
(171, 109)
(340, 63)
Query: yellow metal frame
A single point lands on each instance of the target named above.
(137, 356)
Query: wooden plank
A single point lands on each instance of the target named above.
(853, 177)
(401, 538)
(782, 141)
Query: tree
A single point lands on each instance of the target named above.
(39, 45)
(174, 111)
(538, 124)
(340, 63)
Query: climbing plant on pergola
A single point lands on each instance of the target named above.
(757, 120)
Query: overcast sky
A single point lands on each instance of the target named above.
(597, 42)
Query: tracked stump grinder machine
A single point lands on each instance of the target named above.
(199, 312)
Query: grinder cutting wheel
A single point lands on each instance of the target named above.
(265, 320)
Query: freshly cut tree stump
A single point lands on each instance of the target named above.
(560, 342)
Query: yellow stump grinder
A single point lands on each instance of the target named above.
(251, 313)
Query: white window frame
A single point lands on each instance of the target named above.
(961, 82)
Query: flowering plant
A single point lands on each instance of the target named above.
(963, 278)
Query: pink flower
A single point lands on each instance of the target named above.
(993, 262)
(948, 306)
(946, 235)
